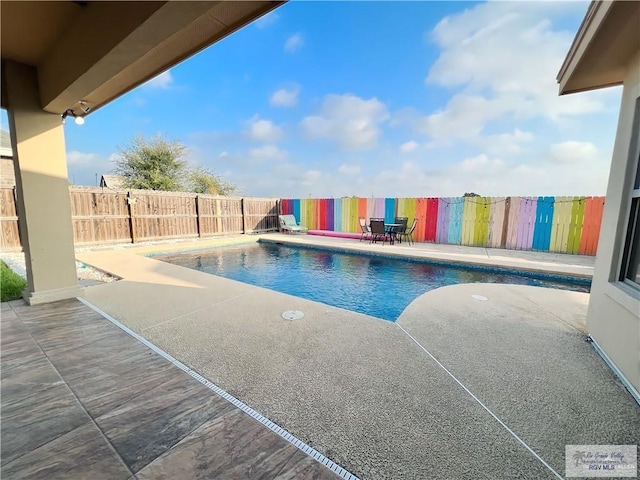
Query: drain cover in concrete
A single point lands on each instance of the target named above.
(480, 298)
(292, 315)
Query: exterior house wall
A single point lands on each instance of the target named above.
(613, 317)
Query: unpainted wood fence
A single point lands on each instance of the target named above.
(9, 235)
(103, 216)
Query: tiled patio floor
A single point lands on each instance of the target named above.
(82, 399)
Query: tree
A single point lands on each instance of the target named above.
(205, 181)
(471, 194)
(155, 164)
(159, 164)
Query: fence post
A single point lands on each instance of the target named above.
(130, 202)
(244, 219)
(198, 215)
(15, 207)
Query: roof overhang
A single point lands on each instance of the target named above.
(606, 40)
(96, 51)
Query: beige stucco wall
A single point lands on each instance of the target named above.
(44, 208)
(613, 318)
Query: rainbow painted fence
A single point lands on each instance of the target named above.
(548, 224)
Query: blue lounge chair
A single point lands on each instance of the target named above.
(288, 224)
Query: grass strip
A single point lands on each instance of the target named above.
(11, 284)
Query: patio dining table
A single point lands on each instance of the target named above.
(393, 230)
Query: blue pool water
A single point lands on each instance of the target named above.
(373, 285)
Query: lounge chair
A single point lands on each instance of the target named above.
(289, 224)
(366, 230)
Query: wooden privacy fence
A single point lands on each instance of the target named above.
(10, 237)
(102, 216)
(548, 224)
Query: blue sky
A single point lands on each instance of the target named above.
(327, 99)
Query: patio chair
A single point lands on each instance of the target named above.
(377, 230)
(289, 224)
(404, 221)
(366, 230)
(408, 234)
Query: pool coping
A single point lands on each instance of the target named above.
(564, 266)
(488, 267)
(470, 265)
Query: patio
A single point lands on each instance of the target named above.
(386, 400)
(82, 399)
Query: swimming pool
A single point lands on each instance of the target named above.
(369, 284)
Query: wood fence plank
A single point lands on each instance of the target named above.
(346, 214)
(576, 226)
(455, 225)
(442, 228)
(431, 220)
(468, 218)
(597, 211)
(496, 220)
(512, 231)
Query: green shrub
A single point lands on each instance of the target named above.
(11, 284)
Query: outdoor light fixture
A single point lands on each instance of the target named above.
(83, 107)
(66, 114)
(77, 119)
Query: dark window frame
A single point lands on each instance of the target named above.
(629, 271)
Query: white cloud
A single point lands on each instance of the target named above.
(162, 81)
(267, 20)
(487, 175)
(311, 177)
(223, 154)
(354, 123)
(408, 147)
(572, 152)
(482, 164)
(284, 97)
(349, 169)
(268, 152)
(464, 116)
(82, 158)
(503, 58)
(293, 43)
(384, 176)
(262, 130)
(509, 144)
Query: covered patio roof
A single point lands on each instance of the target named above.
(69, 58)
(607, 38)
(95, 51)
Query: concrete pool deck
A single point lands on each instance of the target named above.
(382, 399)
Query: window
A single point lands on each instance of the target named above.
(630, 271)
(631, 258)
